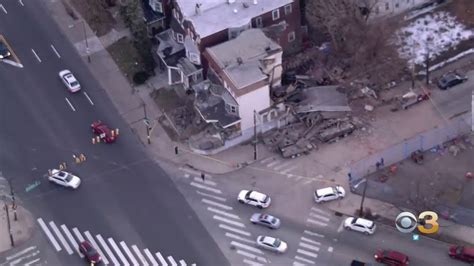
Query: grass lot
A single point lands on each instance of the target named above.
(96, 14)
(126, 57)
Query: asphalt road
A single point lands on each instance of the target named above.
(124, 194)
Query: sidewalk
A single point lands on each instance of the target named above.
(128, 101)
(21, 230)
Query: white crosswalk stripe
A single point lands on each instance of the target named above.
(295, 263)
(20, 253)
(264, 161)
(161, 259)
(71, 240)
(316, 222)
(49, 235)
(150, 257)
(273, 163)
(222, 219)
(118, 252)
(61, 238)
(78, 234)
(235, 230)
(313, 233)
(283, 165)
(107, 250)
(33, 262)
(308, 246)
(252, 263)
(251, 255)
(140, 256)
(207, 182)
(129, 253)
(310, 241)
(247, 247)
(223, 213)
(182, 263)
(210, 196)
(216, 204)
(289, 169)
(304, 260)
(307, 253)
(239, 238)
(26, 256)
(320, 211)
(211, 189)
(320, 217)
(94, 244)
(172, 261)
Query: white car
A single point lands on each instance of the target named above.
(69, 81)
(360, 225)
(272, 243)
(329, 193)
(254, 198)
(64, 179)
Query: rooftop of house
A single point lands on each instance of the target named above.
(149, 14)
(240, 58)
(218, 15)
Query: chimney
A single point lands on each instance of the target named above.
(198, 9)
(255, 2)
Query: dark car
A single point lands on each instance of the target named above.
(89, 252)
(462, 253)
(390, 257)
(103, 131)
(4, 52)
(450, 80)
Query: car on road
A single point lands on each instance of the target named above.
(254, 198)
(391, 257)
(91, 254)
(360, 225)
(450, 80)
(69, 81)
(462, 253)
(329, 193)
(272, 244)
(103, 131)
(64, 179)
(4, 52)
(265, 220)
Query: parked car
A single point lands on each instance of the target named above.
(254, 198)
(265, 220)
(4, 52)
(103, 131)
(91, 254)
(450, 80)
(390, 257)
(329, 193)
(64, 179)
(360, 225)
(272, 244)
(462, 253)
(69, 81)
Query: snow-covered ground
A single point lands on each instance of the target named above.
(433, 33)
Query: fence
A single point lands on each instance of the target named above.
(423, 141)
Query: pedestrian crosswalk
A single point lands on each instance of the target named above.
(286, 167)
(241, 240)
(111, 252)
(26, 256)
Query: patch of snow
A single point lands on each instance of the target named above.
(431, 34)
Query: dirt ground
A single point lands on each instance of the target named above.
(125, 55)
(97, 16)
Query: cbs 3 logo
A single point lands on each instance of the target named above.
(427, 222)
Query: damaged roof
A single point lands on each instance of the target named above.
(168, 49)
(323, 98)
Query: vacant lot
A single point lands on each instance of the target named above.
(125, 55)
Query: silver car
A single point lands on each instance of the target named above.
(272, 243)
(265, 220)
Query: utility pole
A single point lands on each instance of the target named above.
(361, 210)
(8, 222)
(12, 194)
(147, 124)
(255, 135)
(427, 63)
(87, 42)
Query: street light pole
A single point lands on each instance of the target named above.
(146, 124)
(87, 42)
(255, 135)
(12, 194)
(361, 210)
(8, 223)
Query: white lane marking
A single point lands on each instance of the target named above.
(309, 181)
(70, 104)
(273, 163)
(298, 177)
(25, 257)
(150, 257)
(210, 196)
(186, 175)
(320, 217)
(307, 253)
(320, 211)
(71, 240)
(341, 227)
(88, 98)
(161, 259)
(36, 55)
(247, 247)
(173, 262)
(21, 2)
(226, 227)
(107, 249)
(239, 238)
(129, 253)
(289, 169)
(49, 235)
(217, 204)
(78, 234)
(140, 255)
(33, 262)
(215, 190)
(283, 165)
(3, 8)
(182, 263)
(20, 253)
(330, 249)
(303, 244)
(303, 259)
(118, 252)
(55, 51)
(312, 233)
(207, 182)
(252, 263)
(92, 241)
(223, 213)
(250, 255)
(264, 161)
(316, 222)
(310, 241)
(222, 219)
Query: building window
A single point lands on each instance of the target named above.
(387, 6)
(179, 37)
(288, 9)
(259, 22)
(276, 14)
(291, 36)
(194, 58)
(156, 5)
(233, 109)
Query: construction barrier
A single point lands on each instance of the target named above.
(82, 157)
